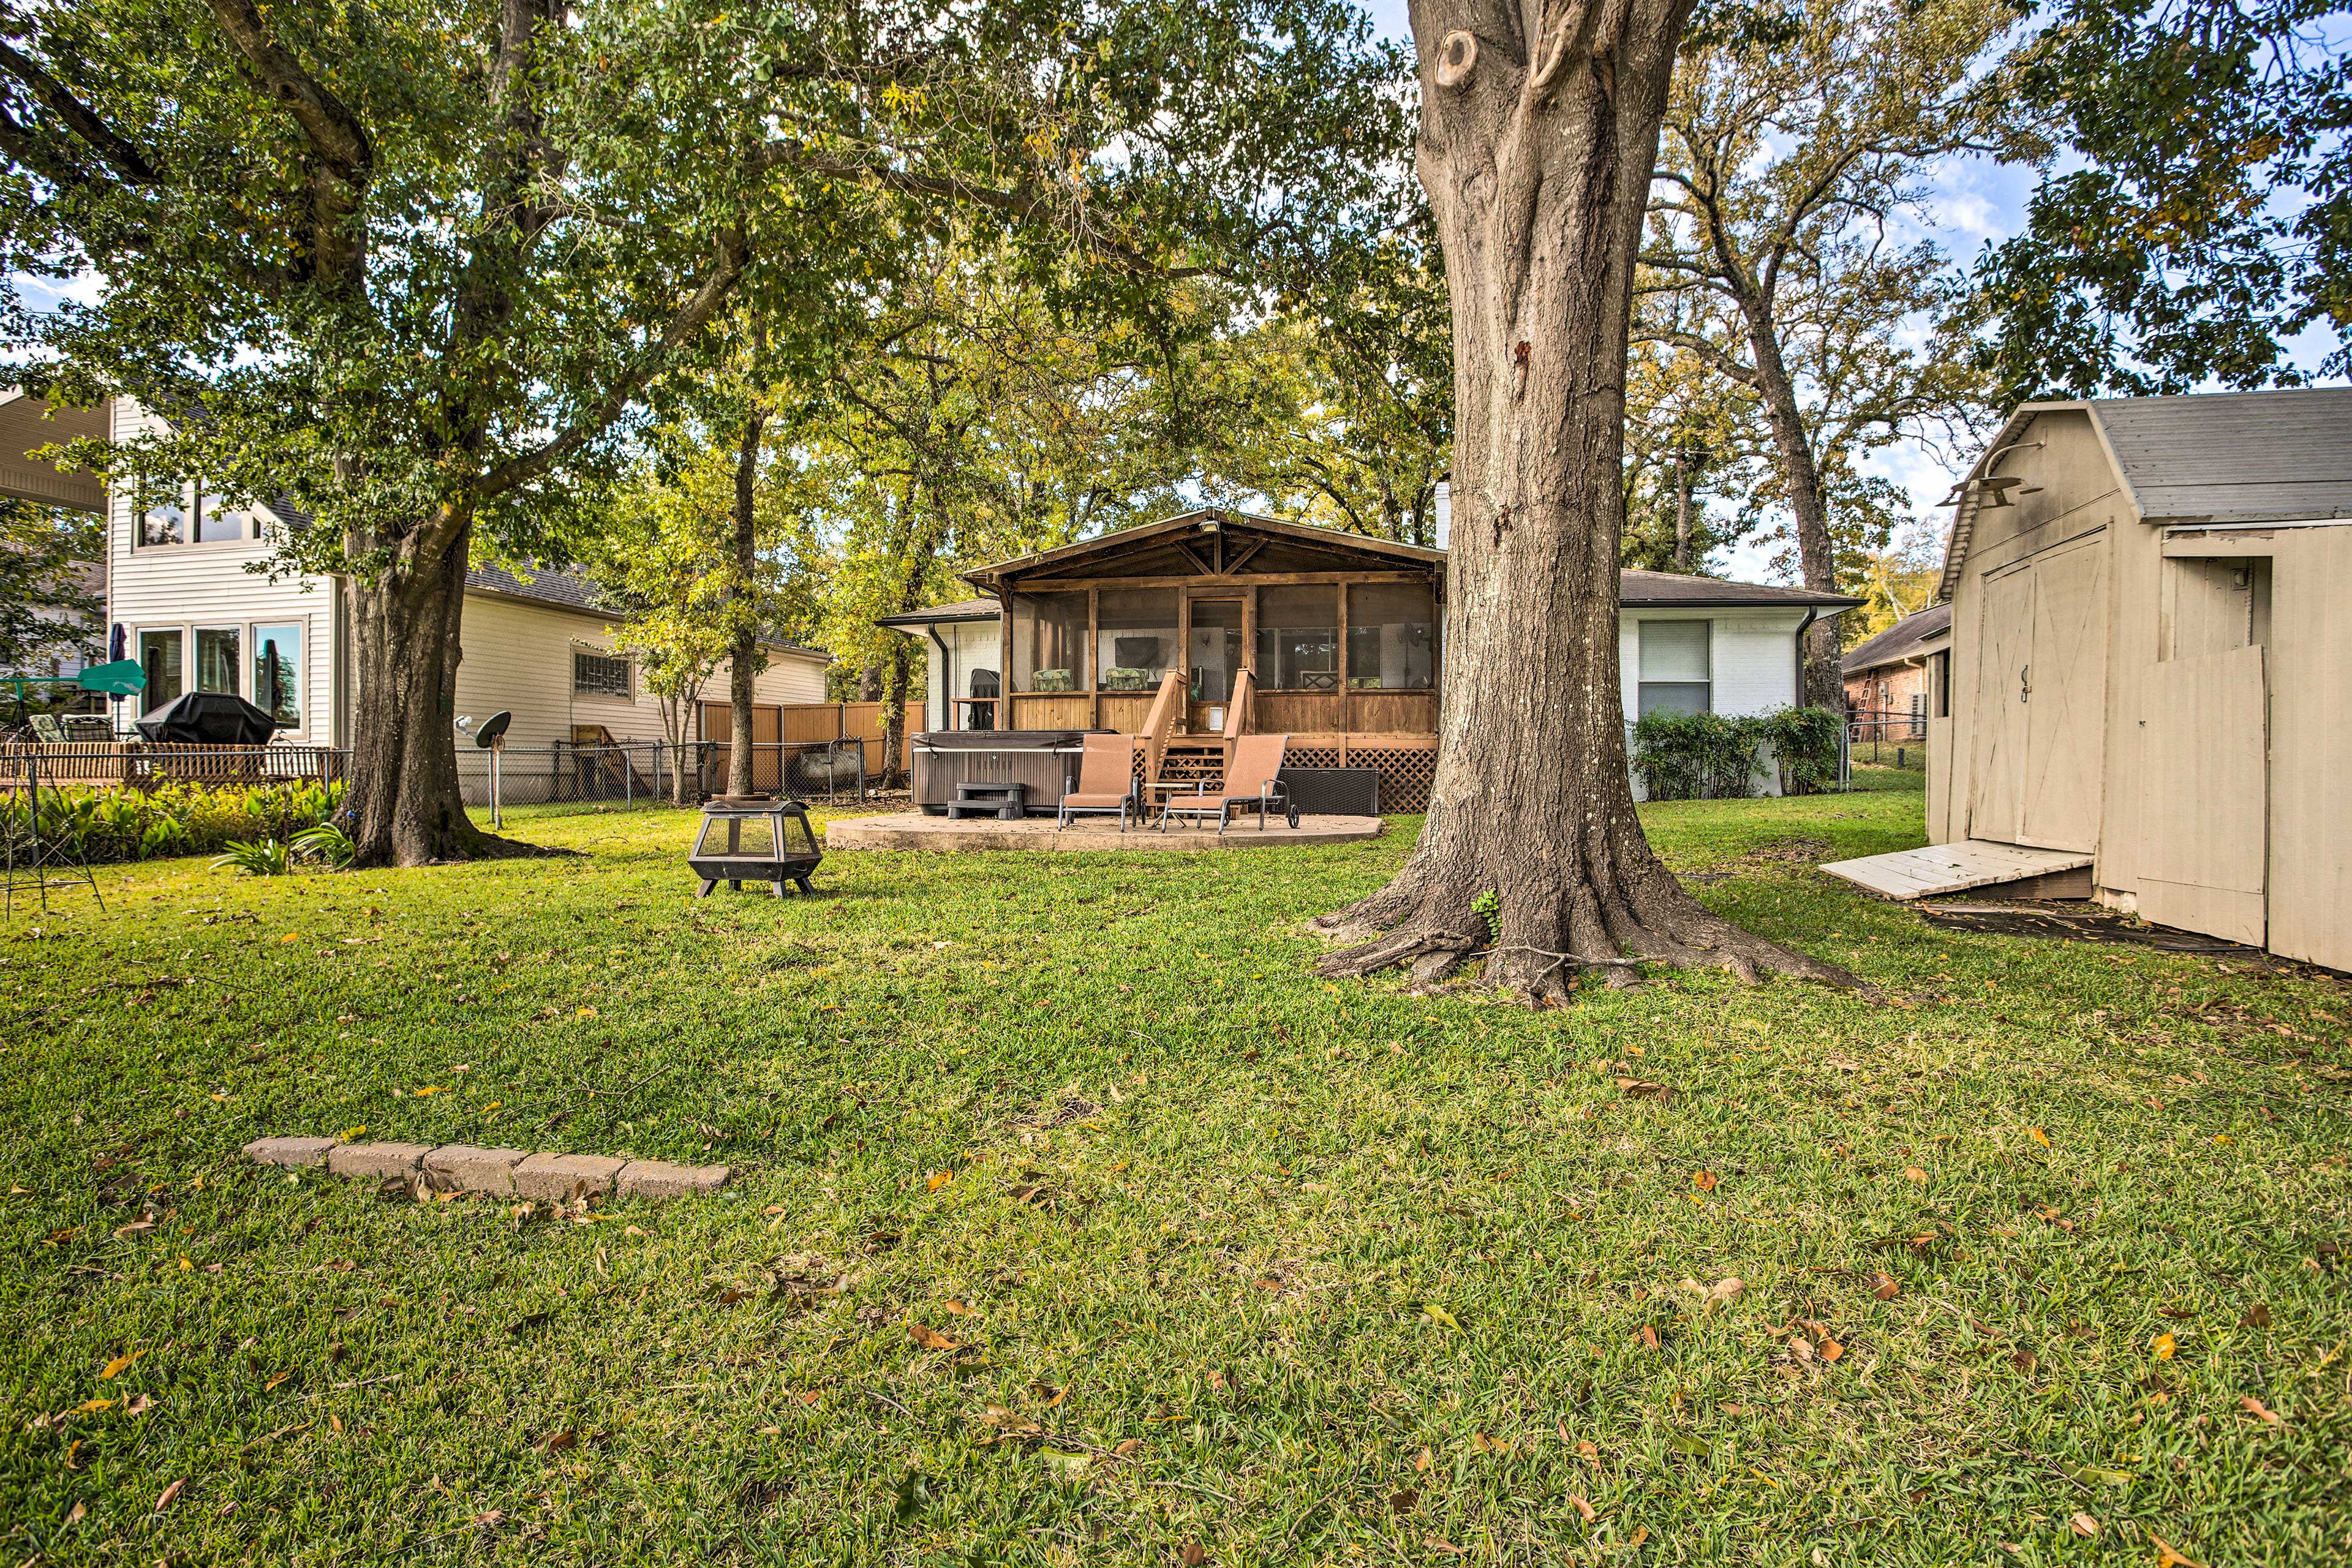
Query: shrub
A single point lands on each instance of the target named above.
(328, 845)
(1708, 756)
(109, 825)
(267, 859)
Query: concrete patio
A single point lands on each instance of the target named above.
(1093, 835)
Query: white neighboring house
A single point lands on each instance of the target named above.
(183, 600)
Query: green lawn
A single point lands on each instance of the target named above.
(1249, 1268)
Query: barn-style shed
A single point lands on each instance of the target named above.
(2150, 664)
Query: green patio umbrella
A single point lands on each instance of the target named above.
(123, 678)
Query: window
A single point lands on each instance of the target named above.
(598, 675)
(217, 658)
(217, 522)
(173, 513)
(1049, 642)
(1677, 668)
(1298, 638)
(159, 655)
(278, 674)
(161, 510)
(1135, 638)
(1391, 645)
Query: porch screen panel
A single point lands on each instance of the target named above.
(1135, 638)
(1391, 637)
(1298, 638)
(1677, 670)
(1049, 642)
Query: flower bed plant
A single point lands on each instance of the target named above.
(104, 826)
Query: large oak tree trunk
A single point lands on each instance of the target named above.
(405, 802)
(1536, 151)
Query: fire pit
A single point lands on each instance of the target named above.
(766, 841)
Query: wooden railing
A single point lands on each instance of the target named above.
(144, 764)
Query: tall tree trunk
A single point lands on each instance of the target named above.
(1536, 151)
(1681, 515)
(743, 655)
(895, 680)
(1816, 554)
(405, 802)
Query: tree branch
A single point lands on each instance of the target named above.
(120, 156)
(734, 252)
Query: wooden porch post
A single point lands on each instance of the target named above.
(1347, 694)
(1094, 676)
(1004, 657)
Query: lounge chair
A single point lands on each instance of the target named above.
(1106, 781)
(1252, 779)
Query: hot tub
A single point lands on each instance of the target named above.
(1046, 761)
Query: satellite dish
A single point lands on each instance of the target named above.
(488, 732)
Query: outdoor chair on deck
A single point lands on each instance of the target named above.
(1251, 780)
(1106, 781)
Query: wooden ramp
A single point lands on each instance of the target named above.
(1952, 868)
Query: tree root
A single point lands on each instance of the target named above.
(1678, 932)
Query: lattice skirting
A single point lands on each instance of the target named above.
(1406, 772)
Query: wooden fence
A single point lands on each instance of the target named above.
(144, 764)
(794, 723)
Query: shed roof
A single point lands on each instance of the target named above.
(1906, 639)
(2213, 456)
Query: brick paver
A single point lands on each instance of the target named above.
(290, 1151)
(660, 1179)
(553, 1178)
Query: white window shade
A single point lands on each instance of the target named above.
(1676, 667)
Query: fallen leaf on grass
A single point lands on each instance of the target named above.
(1723, 1290)
(2162, 1346)
(170, 1494)
(2257, 1409)
(1649, 1337)
(1010, 1424)
(1127, 1448)
(1194, 1554)
(2168, 1555)
(937, 1180)
(2085, 1526)
(931, 1339)
(490, 1519)
(275, 1381)
(119, 1365)
(1581, 1506)
(1704, 1181)
(1641, 1087)
(75, 1514)
(2257, 1317)
(2039, 1136)
(140, 1404)
(958, 1308)
(561, 1441)
(1913, 1173)
(1049, 1393)
(1883, 1287)
(94, 1404)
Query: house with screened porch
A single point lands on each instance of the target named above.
(1334, 640)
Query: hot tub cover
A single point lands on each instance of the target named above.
(999, 740)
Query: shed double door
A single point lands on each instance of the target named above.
(2042, 706)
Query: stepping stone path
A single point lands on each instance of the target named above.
(505, 1172)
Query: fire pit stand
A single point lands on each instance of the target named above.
(766, 841)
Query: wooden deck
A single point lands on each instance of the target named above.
(1093, 835)
(1941, 868)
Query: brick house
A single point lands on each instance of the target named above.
(1888, 685)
